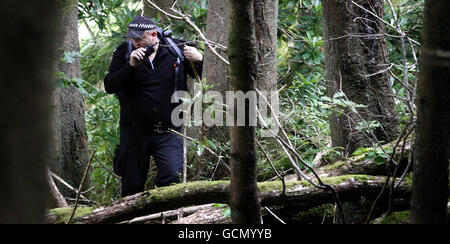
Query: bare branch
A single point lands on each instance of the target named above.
(186, 18)
(80, 187)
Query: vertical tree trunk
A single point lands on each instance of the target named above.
(431, 161)
(25, 102)
(69, 126)
(266, 29)
(266, 23)
(217, 30)
(216, 72)
(242, 54)
(354, 52)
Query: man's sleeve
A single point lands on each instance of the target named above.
(188, 64)
(119, 71)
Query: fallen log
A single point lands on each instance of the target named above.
(299, 194)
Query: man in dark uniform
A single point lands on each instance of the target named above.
(144, 86)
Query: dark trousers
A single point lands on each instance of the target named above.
(167, 151)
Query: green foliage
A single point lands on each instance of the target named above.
(103, 131)
(98, 10)
(225, 209)
(300, 38)
(376, 154)
(197, 13)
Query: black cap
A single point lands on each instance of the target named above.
(139, 25)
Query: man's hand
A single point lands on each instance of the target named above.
(137, 57)
(192, 54)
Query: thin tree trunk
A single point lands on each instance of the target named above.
(25, 103)
(355, 53)
(242, 54)
(431, 161)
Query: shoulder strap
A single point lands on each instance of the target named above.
(129, 50)
(174, 48)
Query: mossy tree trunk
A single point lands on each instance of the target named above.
(242, 55)
(25, 103)
(355, 50)
(431, 161)
(69, 155)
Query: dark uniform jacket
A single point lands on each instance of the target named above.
(145, 92)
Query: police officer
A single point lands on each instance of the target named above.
(144, 86)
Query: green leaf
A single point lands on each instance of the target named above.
(226, 212)
(380, 160)
(360, 151)
(211, 143)
(306, 55)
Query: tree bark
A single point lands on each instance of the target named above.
(431, 161)
(217, 31)
(300, 195)
(69, 141)
(242, 55)
(266, 23)
(216, 73)
(355, 51)
(25, 102)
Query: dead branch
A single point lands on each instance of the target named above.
(81, 187)
(168, 214)
(57, 196)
